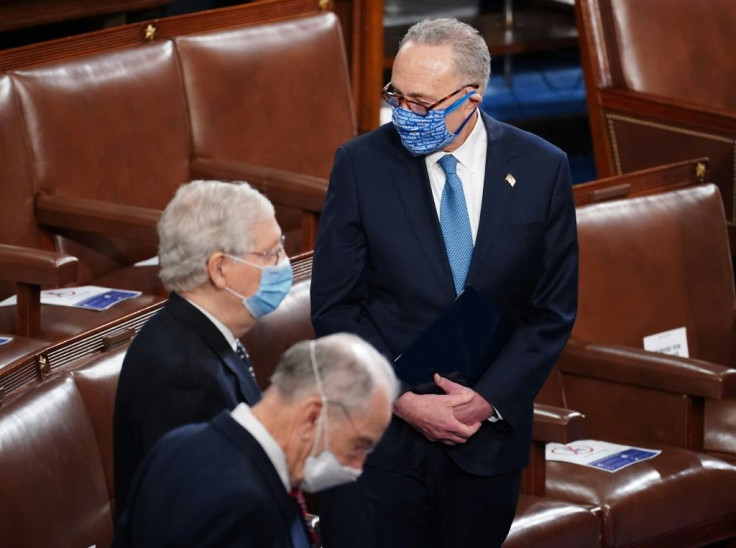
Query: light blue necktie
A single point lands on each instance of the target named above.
(455, 223)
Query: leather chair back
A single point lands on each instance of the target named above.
(53, 483)
(656, 263)
(115, 129)
(657, 89)
(284, 104)
(649, 50)
(18, 225)
(96, 379)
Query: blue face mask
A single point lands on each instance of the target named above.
(275, 284)
(427, 134)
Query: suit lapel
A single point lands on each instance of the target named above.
(253, 452)
(204, 328)
(412, 183)
(497, 194)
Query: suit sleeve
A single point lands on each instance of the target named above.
(514, 379)
(339, 285)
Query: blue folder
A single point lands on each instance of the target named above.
(461, 344)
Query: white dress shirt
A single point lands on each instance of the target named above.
(471, 168)
(245, 418)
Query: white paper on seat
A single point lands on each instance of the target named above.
(89, 297)
(602, 455)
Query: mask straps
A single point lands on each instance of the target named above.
(323, 412)
(457, 104)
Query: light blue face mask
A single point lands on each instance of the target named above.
(427, 134)
(275, 284)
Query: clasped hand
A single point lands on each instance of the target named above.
(450, 418)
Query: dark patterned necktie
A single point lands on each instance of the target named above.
(243, 355)
(247, 381)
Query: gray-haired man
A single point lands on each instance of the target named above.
(227, 482)
(222, 258)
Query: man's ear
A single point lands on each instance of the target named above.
(475, 99)
(217, 270)
(310, 410)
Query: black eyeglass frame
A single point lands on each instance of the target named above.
(395, 99)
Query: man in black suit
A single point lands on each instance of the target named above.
(443, 198)
(227, 482)
(222, 258)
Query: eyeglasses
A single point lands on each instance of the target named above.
(395, 99)
(271, 257)
(366, 445)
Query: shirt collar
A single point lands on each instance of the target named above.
(229, 337)
(245, 417)
(468, 154)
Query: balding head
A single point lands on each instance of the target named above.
(350, 370)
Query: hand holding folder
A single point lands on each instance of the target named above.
(461, 344)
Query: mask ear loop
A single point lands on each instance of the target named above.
(457, 105)
(323, 412)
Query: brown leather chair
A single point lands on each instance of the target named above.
(122, 144)
(542, 521)
(96, 378)
(28, 258)
(52, 481)
(643, 182)
(648, 265)
(678, 498)
(99, 143)
(657, 87)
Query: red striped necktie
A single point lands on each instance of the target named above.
(297, 494)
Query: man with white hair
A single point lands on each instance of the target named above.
(227, 482)
(222, 259)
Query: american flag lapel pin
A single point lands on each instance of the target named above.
(511, 180)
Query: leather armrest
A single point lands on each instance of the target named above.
(83, 214)
(551, 424)
(31, 269)
(36, 267)
(648, 369)
(284, 188)
(665, 108)
(557, 424)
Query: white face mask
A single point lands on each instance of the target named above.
(324, 470)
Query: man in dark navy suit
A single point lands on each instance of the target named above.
(227, 482)
(442, 198)
(222, 258)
